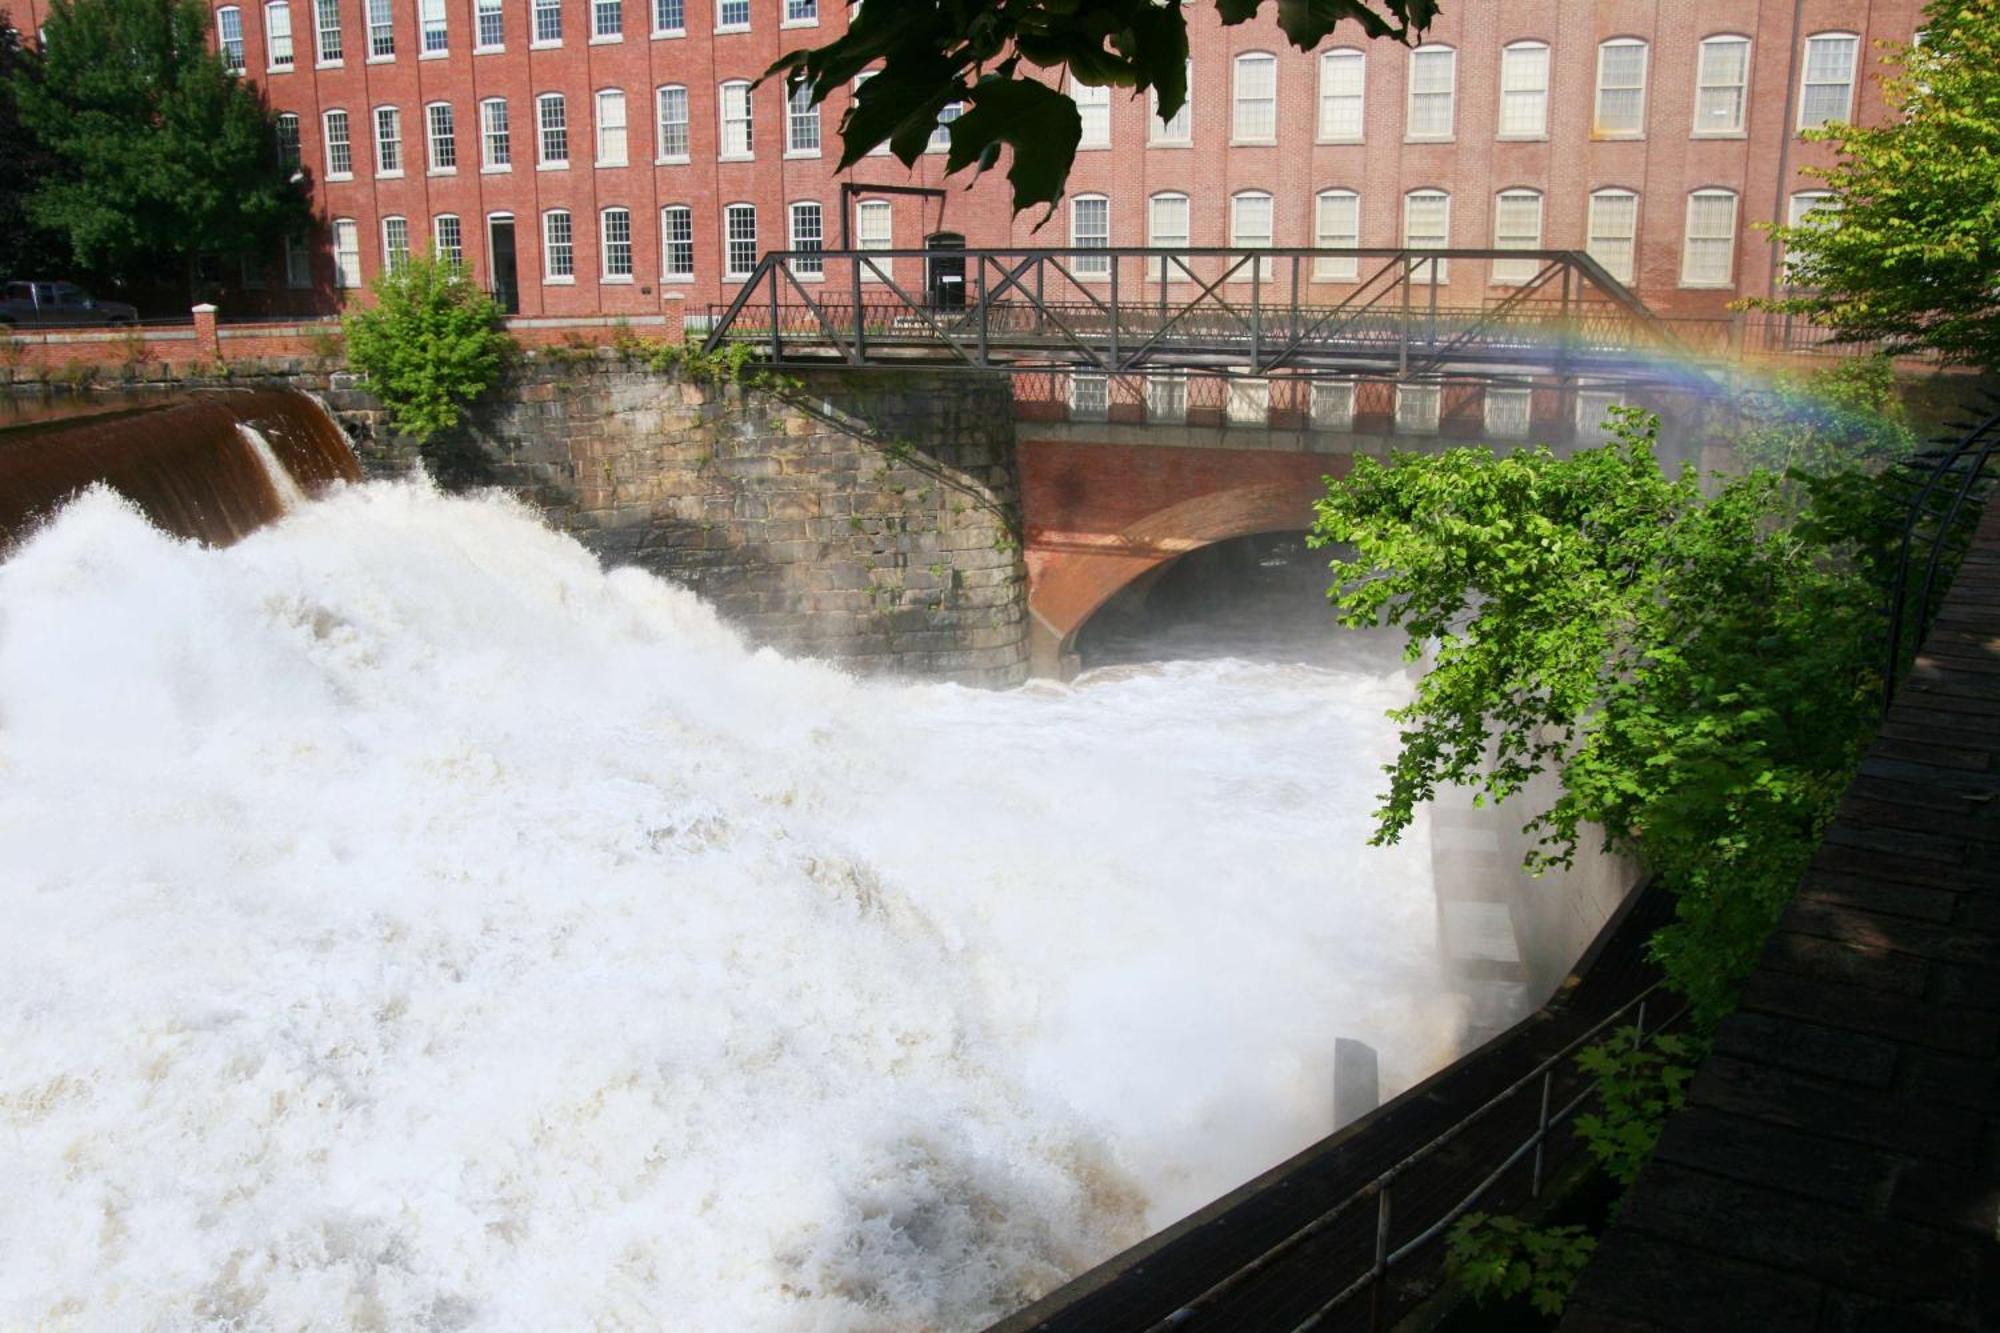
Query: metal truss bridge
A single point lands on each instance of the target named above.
(1216, 312)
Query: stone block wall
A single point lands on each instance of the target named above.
(869, 518)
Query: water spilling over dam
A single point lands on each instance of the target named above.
(413, 924)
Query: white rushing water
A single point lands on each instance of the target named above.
(406, 924)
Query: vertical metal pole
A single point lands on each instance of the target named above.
(1541, 1135)
(777, 343)
(1256, 313)
(1381, 1269)
(1114, 316)
(1403, 328)
(983, 356)
(1041, 305)
(854, 283)
(1432, 335)
(1293, 337)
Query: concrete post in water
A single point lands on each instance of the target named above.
(1357, 1087)
(207, 345)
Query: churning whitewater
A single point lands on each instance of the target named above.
(409, 924)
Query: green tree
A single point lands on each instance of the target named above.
(25, 249)
(1909, 251)
(431, 344)
(161, 153)
(1700, 672)
(928, 56)
(1845, 417)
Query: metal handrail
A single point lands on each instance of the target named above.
(1381, 1187)
(1973, 450)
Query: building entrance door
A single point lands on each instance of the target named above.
(945, 269)
(500, 249)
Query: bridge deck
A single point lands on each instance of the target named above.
(1838, 1165)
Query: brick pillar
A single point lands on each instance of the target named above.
(207, 346)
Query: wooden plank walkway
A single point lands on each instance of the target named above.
(1837, 1167)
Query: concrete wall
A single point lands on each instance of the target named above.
(870, 519)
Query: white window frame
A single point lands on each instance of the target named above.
(674, 137)
(496, 136)
(1598, 236)
(1799, 207)
(347, 274)
(1707, 82)
(381, 23)
(739, 131)
(724, 11)
(1343, 95)
(280, 54)
(1166, 397)
(483, 10)
(1332, 232)
(1419, 407)
(612, 131)
(328, 54)
(454, 252)
(1093, 108)
(1090, 266)
(1524, 91)
(291, 149)
(1592, 407)
(554, 248)
(1264, 270)
(1250, 107)
(610, 249)
(1089, 396)
(448, 140)
(1169, 238)
(395, 243)
(1430, 271)
(802, 124)
(1445, 57)
(233, 52)
(866, 237)
(940, 140)
(433, 30)
(733, 216)
(390, 144)
(343, 141)
(673, 217)
(1175, 133)
(603, 33)
(545, 24)
(1514, 272)
(663, 10)
(801, 14)
(1330, 404)
(1690, 277)
(806, 231)
(544, 130)
(1807, 83)
(1246, 400)
(1599, 126)
(1508, 412)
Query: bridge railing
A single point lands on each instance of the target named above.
(1246, 311)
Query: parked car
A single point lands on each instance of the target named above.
(46, 303)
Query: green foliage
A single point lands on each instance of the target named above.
(927, 56)
(26, 250)
(1700, 672)
(1846, 417)
(161, 151)
(1499, 1258)
(731, 363)
(1638, 1087)
(1911, 252)
(431, 344)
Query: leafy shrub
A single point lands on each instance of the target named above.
(1499, 1258)
(432, 343)
(1638, 1087)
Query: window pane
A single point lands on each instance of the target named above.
(555, 128)
(1614, 224)
(677, 241)
(381, 29)
(736, 137)
(447, 241)
(388, 140)
(1181, 128)
(1088, 397)
(1417, 409)
(607, 18)
(1711, 239)
(1094, 106)
(328, 19)
(732, 14)
(499, 147)
(1250, 228)
(1524, 91)
(229, 36)
(617, 236)
(1427, 226)
(1167, 229)
(801, 122)
(1723, 71)
(278, 34)
(346, 253)
(1166, 397)
(1433, 70)
(548, 20)
(1517, 225)
(339, 148)
(611, 129)
(1621, 87)
(669, 15)
(1256, 98)
(1507, 412)
(1829, 80)
(1090, 225)
(1340, 95)
(288, 139)
(740, 234)
(808, 234)
(1333, 404)
(443, 136)
(558, 245)
(395, 243)
(431, 13)
(1249, 402)
(873, 223)
(673, 122)
(1337, 226)
(491, 27)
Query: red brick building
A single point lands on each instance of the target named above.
(609, 156)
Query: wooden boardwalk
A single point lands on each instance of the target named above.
(1838, 1165)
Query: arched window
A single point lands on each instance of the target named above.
(395, 244)
(611, 129)
(448, 239)
(737, 142)
(739, 238)
(1093, 105)
(1427, 226)
(1621, 88)
(1167, 229)
(1250, 229)
(1811, 208)
(326, 29)
(1433, 92)
(1721, 81)
(229, 36)
(1524, 90)
(558, 247)
(1613, 231)
(874, 229)
(1255, 118)
(1517, 225)
(808, 239)
(1179, 130)
(801, 124)
(1343, 75)
(672, 103)
(388, 141)
(1709, 253)
(552, 120)
(278, 35)
(677, 242)
(1827, 84)
(614, 234)
(288, 139)
(339, 146)
(1337, 226)
(346, 253)
(1090, 227)
(441, 130)
(496, 137)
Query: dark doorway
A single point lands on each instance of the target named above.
(500, 247)
(944, 271)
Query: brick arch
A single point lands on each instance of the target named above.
(1071, 576)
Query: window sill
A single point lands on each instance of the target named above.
(442, 171)
(616, 280)
(734, 27)
(679, 161)
(1622, 136)
(546, 44)
(1728, 286)
(676, 277)
(1093, 148)
(736, 157)
(489, 50)
(807, 277)
(662, 34)
(330, 64)
(799, 23)
(559, 282)
(381, 60)
(1253, 143)
(551, 166)
(732, 277)
(333, 176)
(395, 175)
(1430, 138)
(603, 164)
(1521, 138)
(278, 69)
(1325, 142)
(1718, 134)
(434, 55)
(801, 154)
(607, 39)
(1169, 143)
(504, 169)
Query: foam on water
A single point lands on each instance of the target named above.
(409, 924)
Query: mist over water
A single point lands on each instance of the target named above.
(411, 925)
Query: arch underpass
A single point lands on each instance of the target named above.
(1098, 516)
